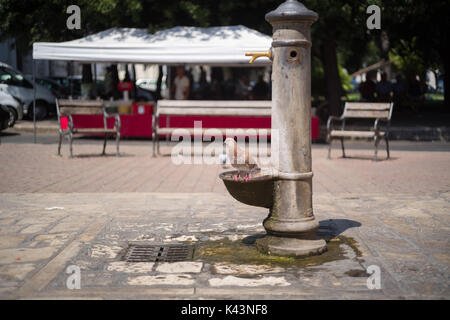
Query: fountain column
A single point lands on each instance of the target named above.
(291, 225)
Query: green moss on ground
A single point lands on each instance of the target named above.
(245, 252)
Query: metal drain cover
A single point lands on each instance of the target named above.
(159, 252)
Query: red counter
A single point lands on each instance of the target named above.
(140, 125)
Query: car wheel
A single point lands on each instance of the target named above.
(12, 117)
(41, 110)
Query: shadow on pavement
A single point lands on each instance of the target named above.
(379, 159)
(337, 226)
(95, 155)
(327, 229)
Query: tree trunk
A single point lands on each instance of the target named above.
(333, 86)
(86, 73)
(159, 82)
(384, 38)
(86, 81)
(446, 62)
(133, 67)
(19, 61)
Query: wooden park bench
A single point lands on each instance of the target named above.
(66, 108)
(381, 112)
(206, 108)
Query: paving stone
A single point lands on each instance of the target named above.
(226, 268)
(66, 227)
(54, 240)
(181, 239)
(35, 228)
(16, 271)
(130, 267)
(10, 241)
(246, 282)
(171, 279)
(390, 222)
(109, 252)
(180, 267)
(25, 254)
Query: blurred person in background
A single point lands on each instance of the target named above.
(368, 88)
(384, 89)
(398, 89)
(261, 89)
(181, 86)
(414, 93)
(243, 88)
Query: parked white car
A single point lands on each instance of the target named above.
(15, 84)
(13, 105)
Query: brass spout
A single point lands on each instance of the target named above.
(256, 55)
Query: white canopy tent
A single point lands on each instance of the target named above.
(224, 46)
(215, 46)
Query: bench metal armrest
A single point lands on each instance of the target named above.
(377, 126)
(155, 122)
(107, 115)
(117, 122)
(70, 124)
(330, 121)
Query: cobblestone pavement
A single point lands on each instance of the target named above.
(56, 212)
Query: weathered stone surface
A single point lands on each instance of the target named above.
(16, 271)
(54, 240)
(246, 282)
(180, 267)
(226, 268)
(10, 241)
(35, 228)
(25, 254)
(131, 267)
(102, 251)
(171, 279)
(400, 226)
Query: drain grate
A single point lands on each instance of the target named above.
(156, 252)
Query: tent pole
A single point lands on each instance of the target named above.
(169, 82)
(133, 67)
(34, 99)
(70, 80)
(95, 80)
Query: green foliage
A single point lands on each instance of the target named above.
(345, 79)
(45, 20)
(407, 60)
(417, 30)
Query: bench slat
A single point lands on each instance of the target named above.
(367, 106)
(222, 130)
(80, 103)
(383, 114)
(93, 130)
(215, 111)
(216, 103)
(355, 134)
(81, 110)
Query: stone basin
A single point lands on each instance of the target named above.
(258, 191)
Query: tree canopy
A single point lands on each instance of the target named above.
(416, 30)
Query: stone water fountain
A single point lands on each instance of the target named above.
(291, 226)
